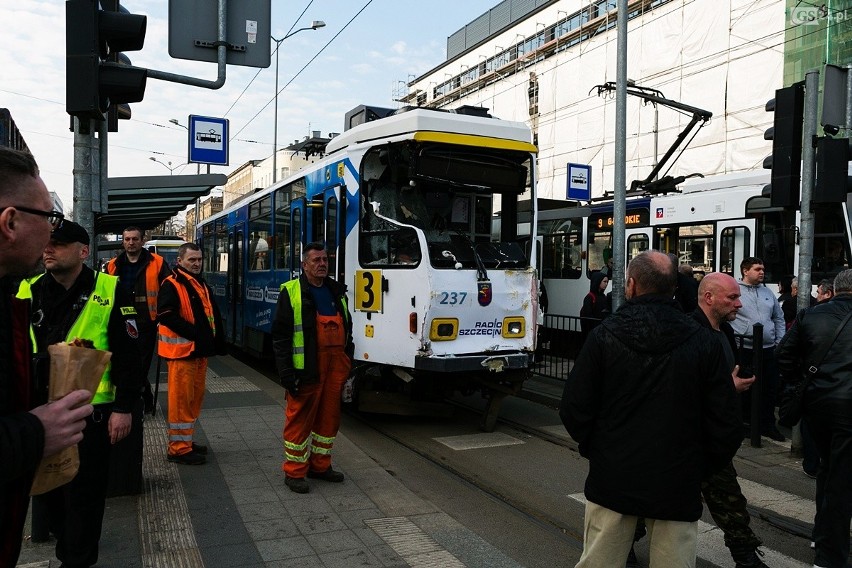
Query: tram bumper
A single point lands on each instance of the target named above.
(496, 363)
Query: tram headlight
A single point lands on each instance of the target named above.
(444, 329)
(513, 327)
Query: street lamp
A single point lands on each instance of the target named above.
(197, 166)
(316, 24)
(168, 165)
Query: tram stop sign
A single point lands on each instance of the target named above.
(579, 181)
(208, 140)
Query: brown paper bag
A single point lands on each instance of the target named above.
(71, 368)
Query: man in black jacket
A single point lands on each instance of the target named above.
(828, 412)
(651, 404)
(718, 303)
(26, 434)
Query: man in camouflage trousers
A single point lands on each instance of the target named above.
(718, 303)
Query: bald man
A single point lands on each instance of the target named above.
(718, 304)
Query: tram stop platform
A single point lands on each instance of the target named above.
(235, 510)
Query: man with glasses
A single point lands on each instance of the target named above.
(26, 434)
(190, 332)
(73, 301)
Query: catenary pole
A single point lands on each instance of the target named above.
(620, 182)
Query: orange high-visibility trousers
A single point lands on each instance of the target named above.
(312, 417)
(187, 378)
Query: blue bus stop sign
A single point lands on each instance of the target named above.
(208, 140)
(579, 181)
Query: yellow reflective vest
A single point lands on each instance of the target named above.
(92, 323)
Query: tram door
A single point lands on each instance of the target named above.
(333, 229)
(236, 291)
(735, 240)
(298, 207)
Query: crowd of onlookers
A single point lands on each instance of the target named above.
(659, 400)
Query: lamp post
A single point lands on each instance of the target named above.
(197, 166)
(316, 24)
(168, 165)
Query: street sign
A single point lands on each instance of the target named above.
(579, 181)
(194, 24)
(208, 140)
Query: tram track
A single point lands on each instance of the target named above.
(477, 482)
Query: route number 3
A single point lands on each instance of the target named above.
(368, 290)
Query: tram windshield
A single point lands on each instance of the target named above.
(444, 195)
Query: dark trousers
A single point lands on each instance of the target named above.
(830, 424)
(76, 510)
(769, 388)
(147, 344)
(810, 456)
(727, 506)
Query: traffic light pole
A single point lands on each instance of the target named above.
(806, 226)
(86, 175)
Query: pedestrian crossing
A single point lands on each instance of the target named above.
(711, 543)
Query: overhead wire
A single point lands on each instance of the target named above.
(305, 66)
(277, 47)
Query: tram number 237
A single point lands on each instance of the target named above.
(368, 290)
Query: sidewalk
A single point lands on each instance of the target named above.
(236, 511)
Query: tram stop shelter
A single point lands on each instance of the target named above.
(149, 201)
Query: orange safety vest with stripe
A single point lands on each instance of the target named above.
(174, 346)
(92, 323)
(152, 282)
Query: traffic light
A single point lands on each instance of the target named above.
(832, 170)
(786, 135)
(94, 36)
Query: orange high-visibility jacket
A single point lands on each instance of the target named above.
(174, 346)
(152, 280)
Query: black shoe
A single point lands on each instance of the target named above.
(190, 458)
(327, 475)
(773, 434)
(632, 561)
(297, 484)
(748, 558)
(199, 449)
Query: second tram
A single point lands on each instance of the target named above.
(712, 224)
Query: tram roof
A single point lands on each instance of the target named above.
(148, 201)
(433, 125)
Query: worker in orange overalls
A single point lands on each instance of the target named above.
(312, 341)
(190, 332)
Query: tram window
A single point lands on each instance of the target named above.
(331, 230)
(830, 250)
(561, 255)
(636, 244)
(208, 244)
(734, 246)
(221, 258)
(282, 228)
(695, 246)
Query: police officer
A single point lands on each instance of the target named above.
(312, 341)
(72, 301)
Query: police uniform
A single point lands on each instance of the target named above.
(97, 309)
